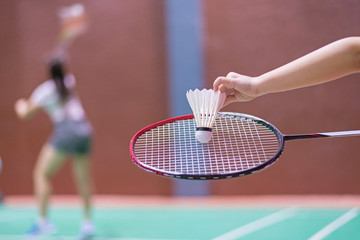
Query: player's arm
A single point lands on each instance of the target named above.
(330, 62)
(25, 108)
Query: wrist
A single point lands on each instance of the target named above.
(257, 86)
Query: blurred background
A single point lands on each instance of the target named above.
(125, 79)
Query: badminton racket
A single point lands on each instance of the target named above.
(241, 144)
(73, 23)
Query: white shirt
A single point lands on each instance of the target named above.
(47, 97)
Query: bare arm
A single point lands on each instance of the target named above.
(25, 108)
(328, 63)
(325, 64)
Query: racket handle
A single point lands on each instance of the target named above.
(323, 135)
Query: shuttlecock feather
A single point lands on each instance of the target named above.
(205, 105)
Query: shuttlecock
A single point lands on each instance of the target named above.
(205, 105)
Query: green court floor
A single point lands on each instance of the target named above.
(218, 223)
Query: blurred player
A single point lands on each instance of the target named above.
(72, 132)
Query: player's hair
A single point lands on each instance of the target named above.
(56, 68)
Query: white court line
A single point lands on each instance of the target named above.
(337, 223)
(258, 224)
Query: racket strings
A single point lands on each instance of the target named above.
(238, 144)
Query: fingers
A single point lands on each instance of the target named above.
(232, 75)
(236, 86)
(222, 83)
(217, 83)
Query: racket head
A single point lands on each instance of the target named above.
(73, 22)
(241, 145)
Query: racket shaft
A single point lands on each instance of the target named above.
(323, 135)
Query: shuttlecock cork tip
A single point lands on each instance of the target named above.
(203, 134)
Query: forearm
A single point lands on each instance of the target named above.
(325, 64)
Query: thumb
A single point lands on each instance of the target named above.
(229, 99)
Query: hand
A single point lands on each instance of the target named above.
(242, 88)
(21, 107)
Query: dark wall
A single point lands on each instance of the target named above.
(120, 66)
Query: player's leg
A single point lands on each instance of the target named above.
(81, 169)
(49, 162)
(82, 175)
